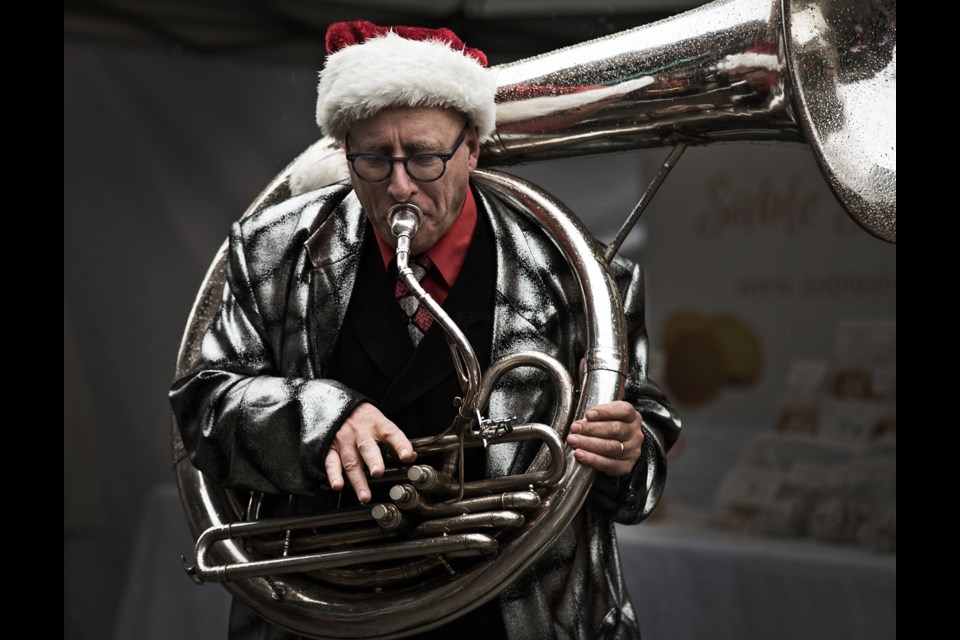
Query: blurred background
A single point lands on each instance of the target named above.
(771, 314)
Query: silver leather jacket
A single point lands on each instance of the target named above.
(256, 411)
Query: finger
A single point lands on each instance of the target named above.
(615, 468)
(600, 446)
(618, 410)
(334, 470)
(399, 443)
(608, 430)
(353, 467)
(370, 453)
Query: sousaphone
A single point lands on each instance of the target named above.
(821, 72)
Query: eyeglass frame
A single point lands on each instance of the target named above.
(392, 160)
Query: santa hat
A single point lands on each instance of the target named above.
(370, 68)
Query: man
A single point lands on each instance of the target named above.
(312, 365)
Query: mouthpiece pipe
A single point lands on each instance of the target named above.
(404, 222)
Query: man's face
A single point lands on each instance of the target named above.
(404, 131)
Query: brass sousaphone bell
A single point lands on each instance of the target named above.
(816, 71)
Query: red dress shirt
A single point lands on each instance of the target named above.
(447, 254)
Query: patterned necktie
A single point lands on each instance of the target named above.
(418, 320)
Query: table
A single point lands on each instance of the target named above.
(689, 580)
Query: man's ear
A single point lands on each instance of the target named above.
(473, 146)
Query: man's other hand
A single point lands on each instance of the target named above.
(608, 438)
(357, 444)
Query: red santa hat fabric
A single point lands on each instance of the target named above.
(370, 68)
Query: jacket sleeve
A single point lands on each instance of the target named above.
(631, 499)
(243, 423)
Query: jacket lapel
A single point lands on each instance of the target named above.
(334, 249)
(524, 312)
(524, 309)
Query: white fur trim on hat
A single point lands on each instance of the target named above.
(361, 80)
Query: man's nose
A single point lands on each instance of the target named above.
(401, 186)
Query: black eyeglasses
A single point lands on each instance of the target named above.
(422, 167)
